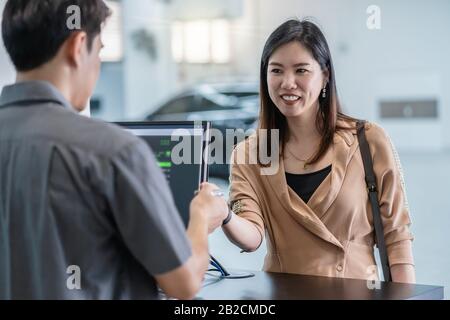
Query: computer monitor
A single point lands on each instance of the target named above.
(179, 148)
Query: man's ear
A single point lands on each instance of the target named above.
(76, 44)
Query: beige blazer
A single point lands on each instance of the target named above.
(332, 235)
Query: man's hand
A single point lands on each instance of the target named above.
(211, 204)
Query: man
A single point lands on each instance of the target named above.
(85, 213)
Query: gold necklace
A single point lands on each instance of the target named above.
(305, 161)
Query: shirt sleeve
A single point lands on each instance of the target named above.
(392, 199)
(144, 211)
(243, 198)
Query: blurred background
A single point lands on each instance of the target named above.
(199, 60)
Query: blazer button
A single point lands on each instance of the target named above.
(339, 268)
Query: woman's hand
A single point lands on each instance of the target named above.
(209, 202)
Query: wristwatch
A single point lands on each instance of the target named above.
(228, 218)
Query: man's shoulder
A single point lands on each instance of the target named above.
(92, 135)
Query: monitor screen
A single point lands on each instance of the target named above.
(179, 148)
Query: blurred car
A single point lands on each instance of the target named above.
(226, 105)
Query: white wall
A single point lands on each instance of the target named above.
(146, 82)
(400, 61)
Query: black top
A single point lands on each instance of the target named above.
(85, 212)
(305, 184)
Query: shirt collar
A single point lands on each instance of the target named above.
(30, 93)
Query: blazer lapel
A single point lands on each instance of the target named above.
(303, 214)
(326, 193)
(309, 215)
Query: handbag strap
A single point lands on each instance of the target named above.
(373, 197)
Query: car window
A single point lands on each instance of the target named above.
(249, 102)
(242, 94)
(179, 105)
(206, 104)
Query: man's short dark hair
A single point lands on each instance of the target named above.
(34, 30)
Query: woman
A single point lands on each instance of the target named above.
(315, 208)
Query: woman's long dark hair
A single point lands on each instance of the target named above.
(310, 36)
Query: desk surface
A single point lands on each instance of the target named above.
(281, 286)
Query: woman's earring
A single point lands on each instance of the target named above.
(324, 92)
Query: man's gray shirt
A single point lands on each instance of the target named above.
(82, 203)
